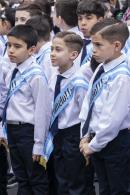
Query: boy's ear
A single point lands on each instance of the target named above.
(32, 50)
(6, 25)
(118, 46)
(59, 21)
(74, 55)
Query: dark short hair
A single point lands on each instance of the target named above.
(41, 25)
(25, 33)
(33, 9)
(71, 39)
(67, 10)
(111, 30)
(36, 9)
(8, 14)
(89, 7)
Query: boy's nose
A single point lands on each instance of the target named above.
(83, 22)
(11, 50)
(52, 53)
(94, 50)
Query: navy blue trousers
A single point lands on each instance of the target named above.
(3, 170)
(112, 166)
(32, 177)
(72, 175)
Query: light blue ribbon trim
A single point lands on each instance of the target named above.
(66, 95)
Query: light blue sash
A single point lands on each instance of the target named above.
(66, 95)
(21, 80)
(101, 83)
(18, 82)
(60, 104)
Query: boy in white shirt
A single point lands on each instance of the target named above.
(68, 91)
(26, 112)
(105, 113)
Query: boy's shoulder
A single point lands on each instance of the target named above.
(45, 47)
(120, 65)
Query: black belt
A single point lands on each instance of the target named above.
(10, 122)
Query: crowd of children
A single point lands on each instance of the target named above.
(64, 96)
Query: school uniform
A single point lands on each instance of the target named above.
(3, 41)
(109, 98)
(44, 60)
(86, 70)
(69, 164)
(85, 54)
(76, 30)
(4, 59)
(27, 119)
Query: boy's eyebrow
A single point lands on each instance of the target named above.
(13, 43)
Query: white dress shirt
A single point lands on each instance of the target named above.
(111, 110)
(3, 41)
(44, 60)
(70, 115)
(77, 61)
(77, 31)
(31, 104)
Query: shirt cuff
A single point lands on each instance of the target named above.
(38, 148)
(94, 147)
(2, 132)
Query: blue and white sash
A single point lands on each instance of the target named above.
(60, 104)
(66, 95)
(18, 82)
(105, 78)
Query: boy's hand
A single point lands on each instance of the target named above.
(36, 157)
(3, 142)
(85, 150)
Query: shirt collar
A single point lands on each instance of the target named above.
(67, 74)
(25, 65)
(112, 64)
(43, 48)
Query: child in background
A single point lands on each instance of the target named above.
(43, 48)
(7, 21)
(25, 12)
(105, 113)
(89, 13)
(65, 16)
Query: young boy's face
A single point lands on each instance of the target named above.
(103, 50)
(86, 22)
(21, 17)
(17, 50)
(61, 55)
